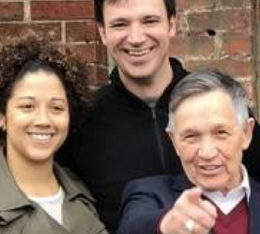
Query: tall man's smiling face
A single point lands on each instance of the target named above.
(137, 34)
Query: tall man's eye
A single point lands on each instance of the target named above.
(118, 25)
(151, 21)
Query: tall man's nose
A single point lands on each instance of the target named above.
(136, 34)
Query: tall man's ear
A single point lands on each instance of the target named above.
(173, 25)
(102, 33)
(248, 132)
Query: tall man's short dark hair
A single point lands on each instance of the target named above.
(99, 7)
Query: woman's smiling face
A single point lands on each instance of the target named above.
(37, 117)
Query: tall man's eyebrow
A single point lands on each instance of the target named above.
(155, 17)
(117, 20)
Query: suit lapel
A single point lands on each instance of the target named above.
(254, 207)
(180, 183)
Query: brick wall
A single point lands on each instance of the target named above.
(257, 49)
(219, 34)
(68, 22)
(222, 34)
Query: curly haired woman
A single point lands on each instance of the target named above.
(43, 93)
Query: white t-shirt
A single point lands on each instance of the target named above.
(51, 204)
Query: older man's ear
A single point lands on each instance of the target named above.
(171, 135)
(248, 132)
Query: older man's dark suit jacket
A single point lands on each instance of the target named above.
(146, 200)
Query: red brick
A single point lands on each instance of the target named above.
(236, 69)
(99, 75)
(192, 46)
(91, 53)
(250, 89)
(232, 67)
(235, 3)
(181, 23)
(210, 4)
(9, 31)
(229, 21)
(86, 52)
(237, 45)
(196, 5)
(91, 74)
(11, 11)
(259, 11)
(81, 31)
(101, 54)
(62, 10)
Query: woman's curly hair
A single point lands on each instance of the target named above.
(21, 56)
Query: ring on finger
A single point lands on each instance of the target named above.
(189, 225)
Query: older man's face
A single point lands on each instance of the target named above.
(210, 141)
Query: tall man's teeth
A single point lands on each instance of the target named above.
(139, 53)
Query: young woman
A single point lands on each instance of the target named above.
(43, 93)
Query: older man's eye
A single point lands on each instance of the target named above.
(191, 138)
(222, 133)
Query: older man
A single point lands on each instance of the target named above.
(210, 127)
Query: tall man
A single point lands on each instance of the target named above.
(123, 136)
(215, 195)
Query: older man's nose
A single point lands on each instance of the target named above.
(207, 149)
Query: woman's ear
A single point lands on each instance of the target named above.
(2, 122)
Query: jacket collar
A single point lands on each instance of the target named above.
(71, 184)
(254, 204)
(14, 202)
(178, 71)
(12, 198)
(180, 183)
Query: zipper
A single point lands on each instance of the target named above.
(158, 137)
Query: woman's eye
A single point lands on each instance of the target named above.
(58, 108)
(26, 107)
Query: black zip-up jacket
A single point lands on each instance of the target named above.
(122, 138)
